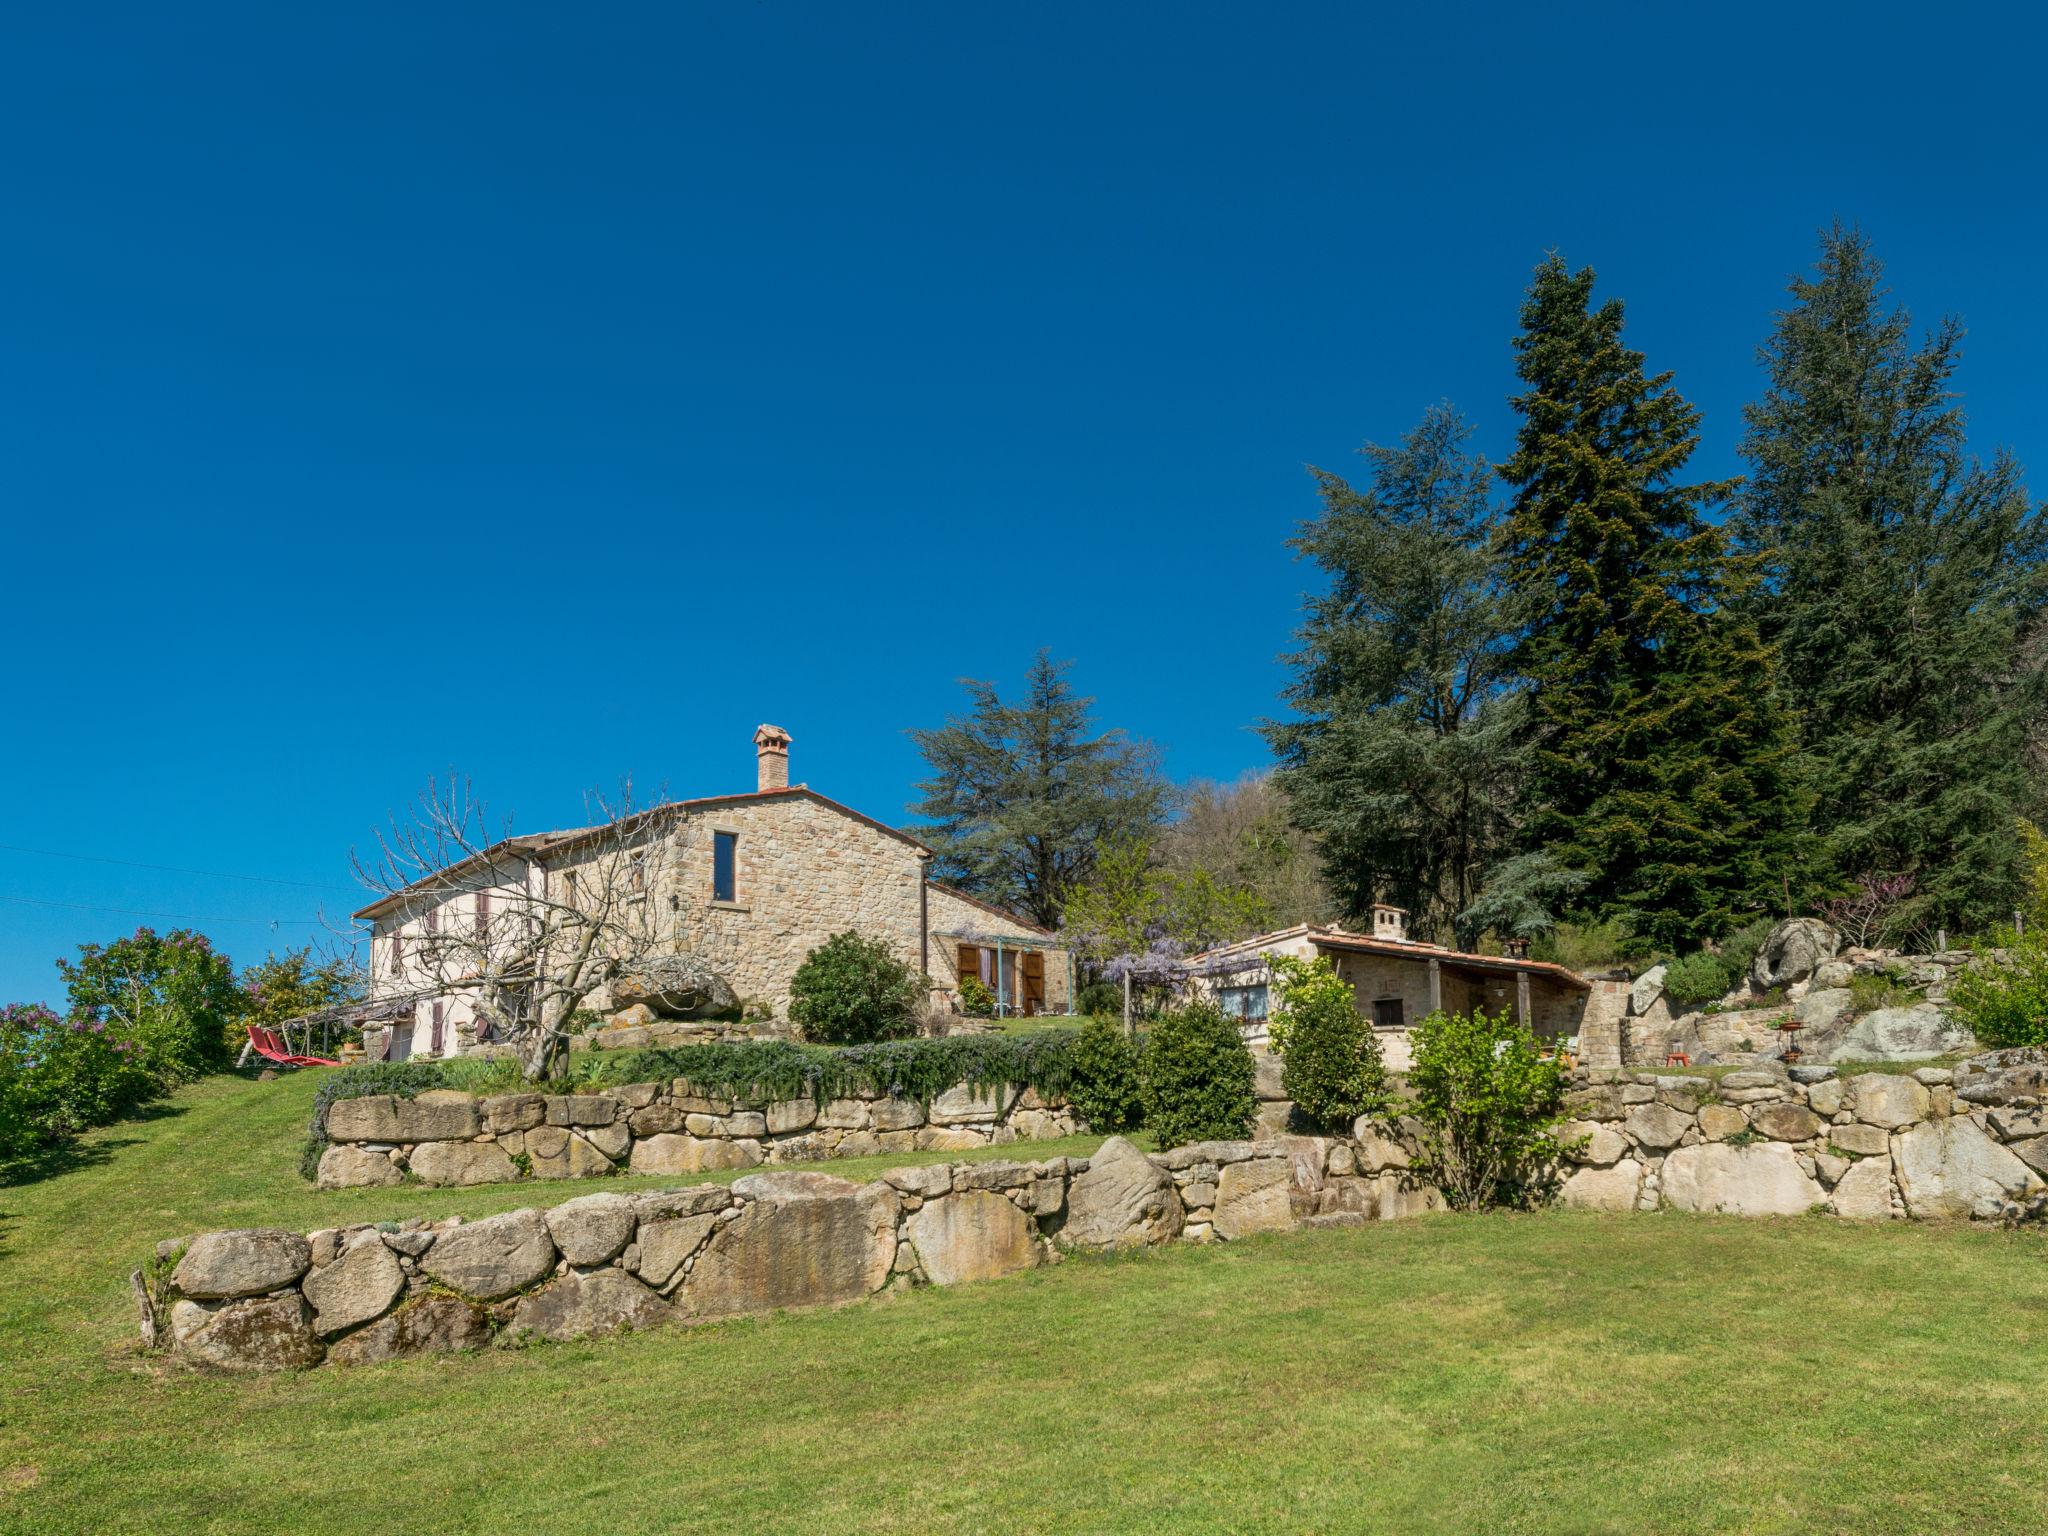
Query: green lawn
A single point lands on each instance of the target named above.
(1555, 1372)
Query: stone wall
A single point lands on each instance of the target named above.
(267, 1299)
(447, 1137)
(1972, 1143)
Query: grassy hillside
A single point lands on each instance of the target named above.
(1542, 1373)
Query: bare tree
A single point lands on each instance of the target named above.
(525, 929)
(1242, 835)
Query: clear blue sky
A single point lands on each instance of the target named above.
(558, 392)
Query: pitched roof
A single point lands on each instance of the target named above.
(1404, 949)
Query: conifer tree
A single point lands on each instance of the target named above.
(1901, 579)
(1401, 763)
(1659, 754)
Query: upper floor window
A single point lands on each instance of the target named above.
(483, 914)
(725, 859)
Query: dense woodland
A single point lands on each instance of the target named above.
(1577, 688)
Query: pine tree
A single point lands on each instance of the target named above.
(1022, 797)
(1900, 580)
(1659, 755)
(1403, 760)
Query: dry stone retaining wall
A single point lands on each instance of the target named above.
(447, 1137)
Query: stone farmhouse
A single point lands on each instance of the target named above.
(1399, 981)
(747, 883)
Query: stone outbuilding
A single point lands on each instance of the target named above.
(747, 884)
(1399, 981)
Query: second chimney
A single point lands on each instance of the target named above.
(771, 757)
(1389, 922)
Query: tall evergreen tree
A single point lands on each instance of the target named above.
(1901, 580)
(1022, 797)
(1659, 756)
(1402, 762)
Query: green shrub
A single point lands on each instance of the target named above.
(1586, 947)
(172, 996)
(1105, 1089)
(1739, 949)
(1196, 1077)
(1100, 997)
(62, 1076)
(851, 991)
(2005, 1003)
(976, 1000)
(1485, 1106)
(1330, 1061)
(1696, 978)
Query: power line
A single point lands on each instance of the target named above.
(176, 917)
(173, 869)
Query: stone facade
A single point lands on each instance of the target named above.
(804, 868)
(447, 1137)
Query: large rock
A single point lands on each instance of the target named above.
(692, 1154)
(1786, 1122)
(426, 1325)
(1864, 1193)
(356, 1287)
(2004, 1077)
(1861, 1140)
(1646, 989)
(1918, 1033)
(270, 1333)
(556, 1153)
(1123, 1200)
(582, 1306)
(591, 1229)
(1255, 1196)
(1821, 1009)
(1377, 1149)
(493, 1258)
(346, 1167)
(245, 1262)
(1792, 952)
(1616, 1188)
(1603, 1145)
(1949, 1168)
(677, 987)
(1887, 1099)
(1762, 1179)
(461, 1162)
(975, 1235)
(958, 1105)
(441, 1116)
(796, 1248)
(1657, 1126)
(665, 1245)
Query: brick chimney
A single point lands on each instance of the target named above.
(1389, 922)
(771, 757)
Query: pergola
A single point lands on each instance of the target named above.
(1002, 941)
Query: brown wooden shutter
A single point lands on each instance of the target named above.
(1034, 981)
(483, 914)
(968, 963)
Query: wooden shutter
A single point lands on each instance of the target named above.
(435, 1046)
(967, 963)
(1034, 981)
(483, 914)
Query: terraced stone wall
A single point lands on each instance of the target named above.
(448, 1137)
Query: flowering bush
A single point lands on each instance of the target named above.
(59, 1076)
(976, 1000)
(173, 995)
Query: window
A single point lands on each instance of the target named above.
(397, 953)
(725, 850)
(636, 874)
(434, 1048)
(483, 915)
(1242, 1002)
(432, 921)
(1387, 1014)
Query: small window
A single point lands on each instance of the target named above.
(483, 915)
(397, 953)
(636, 873)
(725, 848)
(1387, 1014)
(1243, 1002)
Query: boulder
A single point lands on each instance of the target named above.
(975, 1235)
(1255, 1196)
(565, 1109)
(1887, 1099)
(1615, 1188)
(356, 1287)
(1825, 1097)
(1949, 1168)
(493, 1258)
(794, 1248)
(1646, 989)
(1833, 974)
(1761, 1179)
(1861, 1140)
(1720, 1121)
(1785, 1122)
(559, 1154)
(958, 1105)
(514, 1112)
(2011, 1076)
(1604, 1145)
(1123, 1200)
(692, 1154)
(269, 1333)
(582, 1306)
(1864, 1193)
(426, 1325)
(1822, 1008)
(664, 1246)
(246, 1262)
(1918, 1033)
(1792, 952)
(591, 1229)
(462, 1162)
(1377, 1150)
(696, 1200)
(610, 1140)
(1657, 1126)
(347, 1167)
(676, 987)
(1267, 1071)
(788, 1116)
(384, 1117)
(2033, 1152)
